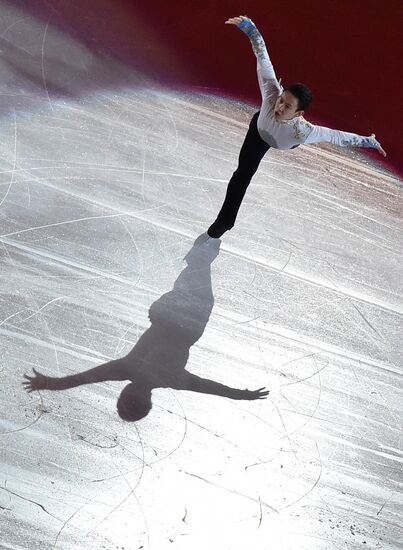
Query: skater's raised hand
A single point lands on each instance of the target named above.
(242, 22)
(237, 20)
(37, 382)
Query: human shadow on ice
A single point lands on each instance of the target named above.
(158, 360)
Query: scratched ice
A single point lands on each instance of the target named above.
(106, 182)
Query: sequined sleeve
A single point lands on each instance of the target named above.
(265, 66)
(319, 134)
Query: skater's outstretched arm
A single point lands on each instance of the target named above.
(192, 382)
(267, 77)
(344, 139)
(114, 370)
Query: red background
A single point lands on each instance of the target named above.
(348, 51)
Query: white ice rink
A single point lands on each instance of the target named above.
(106, 182)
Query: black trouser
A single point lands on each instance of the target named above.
(252, 152)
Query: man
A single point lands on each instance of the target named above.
(279, 124)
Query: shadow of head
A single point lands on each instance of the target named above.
(134, 402)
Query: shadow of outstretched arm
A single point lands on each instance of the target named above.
(114, 370)
(118, 371)
(195, 383)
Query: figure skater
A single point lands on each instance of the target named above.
(279, 124)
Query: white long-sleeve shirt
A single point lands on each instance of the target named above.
(287, 134)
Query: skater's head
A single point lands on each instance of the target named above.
(134, 402)
(292, 103)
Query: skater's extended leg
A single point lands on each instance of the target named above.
(252, 152)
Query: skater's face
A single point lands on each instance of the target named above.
(286, 107)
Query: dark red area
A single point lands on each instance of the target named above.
(348, 51)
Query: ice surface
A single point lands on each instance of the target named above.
(106, 182)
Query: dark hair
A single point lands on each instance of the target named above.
(302, 93)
